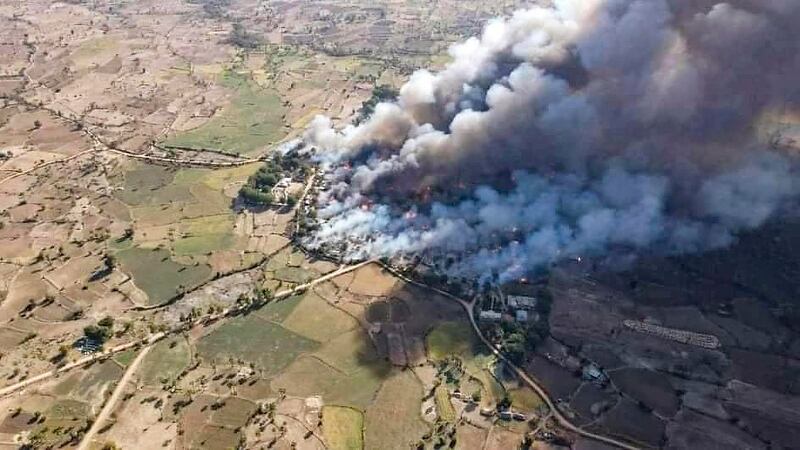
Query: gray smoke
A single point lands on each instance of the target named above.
(576, 129)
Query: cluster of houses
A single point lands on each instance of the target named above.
(520, 308)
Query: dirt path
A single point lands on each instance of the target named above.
(78, 363)
(562, 420)
(45, 164)
(108, 408)
(178, 329)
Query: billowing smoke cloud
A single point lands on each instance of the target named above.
(572, 130)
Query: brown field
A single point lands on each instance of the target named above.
(372, 280)
(393, 421)
(502, 439)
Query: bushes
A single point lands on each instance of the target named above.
(101, 332)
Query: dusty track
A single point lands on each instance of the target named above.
(108, 407)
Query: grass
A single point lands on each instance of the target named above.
(159, 276)
(255, 340)
(525, 398)
(443, 404)
(451, 339)
(152, 185)
(61, 418)
(125, 358)
(343, 428)
(97, 380)
(316, 319)
(278, 311)
(346, 370)
(293, 275)
(205, 235)
(252, 119)
(165, 361)
(309, 376)
(393, 420)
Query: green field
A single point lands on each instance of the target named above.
(451, 339)
(343, 428)
(316, 319)
(125, 358)
(205, 235)
(255, 340)
(165, 361)
(525, 398)
(152, 185)
(278, 311)
(393, 420)
(252, 120)
(159, 276)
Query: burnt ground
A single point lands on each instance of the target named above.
(662, 393)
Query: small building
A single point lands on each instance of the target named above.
(519, 416)
(521, 315)
(506, 415)
(487, 412)
(521, 301)
(490, 316)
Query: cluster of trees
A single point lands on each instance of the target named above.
(213, 8)
(380, 93)
(242, 38)
(516, 339)
(100, 332)
(258, 189)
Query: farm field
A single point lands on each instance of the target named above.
(165, 361)
(252, 339)
(158, 275)
(343, 428)
(252, 120)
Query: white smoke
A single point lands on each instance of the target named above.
(572, 130)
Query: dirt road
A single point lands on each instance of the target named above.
(562, 420)
(108, 408)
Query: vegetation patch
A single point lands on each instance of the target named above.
(443, 404)
(205, 235)
(152, 185)
(125, 358)
(525, 398)
(97, 380)
(60, 424)
(278, 311)
(343, 428)
(253, 119)
(158, 276)
(255, 340)
(455, 338)
(309, 376)
(165, 361)
(316, 319)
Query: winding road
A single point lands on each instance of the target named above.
(562, 420)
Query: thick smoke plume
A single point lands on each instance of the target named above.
(576, 129)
